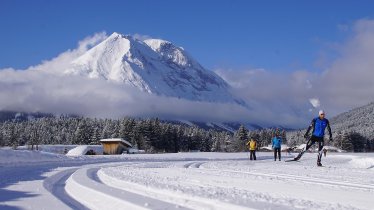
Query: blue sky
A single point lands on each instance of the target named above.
(275, 35)
(287, 59)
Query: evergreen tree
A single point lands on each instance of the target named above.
(357, 141)
(2, 141)
(82, 134)
(346, 143)
(34, 138)
(241, 137)
(242, 134)
(95, 137)
(12, 137)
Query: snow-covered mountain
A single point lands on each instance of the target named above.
(359, 120)
(154, 66)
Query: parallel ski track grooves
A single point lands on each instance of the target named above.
(205, 203)
(56, 185)
(188, 165)
(303, 179)
(289, 176)
(91, 180)
(193, 165)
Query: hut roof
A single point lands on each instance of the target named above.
(116, 140)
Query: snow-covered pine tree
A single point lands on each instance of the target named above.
(345, 142)
(2, 141)
(241, 137)
(358, 141)
(82, 134)
(95, 137)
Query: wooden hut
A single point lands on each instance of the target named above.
(114, 146)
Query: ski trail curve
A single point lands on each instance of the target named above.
(84, 186)
(56, 186)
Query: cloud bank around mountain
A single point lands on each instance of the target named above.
(33, 91)
(288, 99)
(344, 83)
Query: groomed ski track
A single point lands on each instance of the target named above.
(202, 183)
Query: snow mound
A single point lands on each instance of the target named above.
(77, 151)
(362, 163)
(10, 156)
(57, 148)
(83, 149)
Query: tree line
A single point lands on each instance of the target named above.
(151, 135)
(348, 140)
(154, 135)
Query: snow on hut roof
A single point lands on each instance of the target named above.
(117, 140)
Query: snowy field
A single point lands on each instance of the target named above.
(41, 180)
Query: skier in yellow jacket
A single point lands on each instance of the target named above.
(252, 146)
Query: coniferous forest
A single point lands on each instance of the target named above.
(151, 135)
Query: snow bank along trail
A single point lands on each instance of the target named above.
(261, 184)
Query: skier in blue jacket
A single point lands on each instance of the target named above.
(276, 145)
(319, 124)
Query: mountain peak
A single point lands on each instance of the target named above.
(171, 53)
(115, 34)
(154, 66)
(117, 37)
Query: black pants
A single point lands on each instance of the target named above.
(253, 154)
(277, 150)
(321, 143)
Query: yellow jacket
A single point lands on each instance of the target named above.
(252, 144)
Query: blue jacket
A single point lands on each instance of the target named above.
(319, 127)
(277, 142)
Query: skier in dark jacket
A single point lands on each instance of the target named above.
(319, 124)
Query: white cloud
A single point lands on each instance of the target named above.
(346, 82)
(274, 98)
(315, 102)
(34, 91)
(63, 60)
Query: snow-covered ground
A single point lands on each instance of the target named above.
(40, 180)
